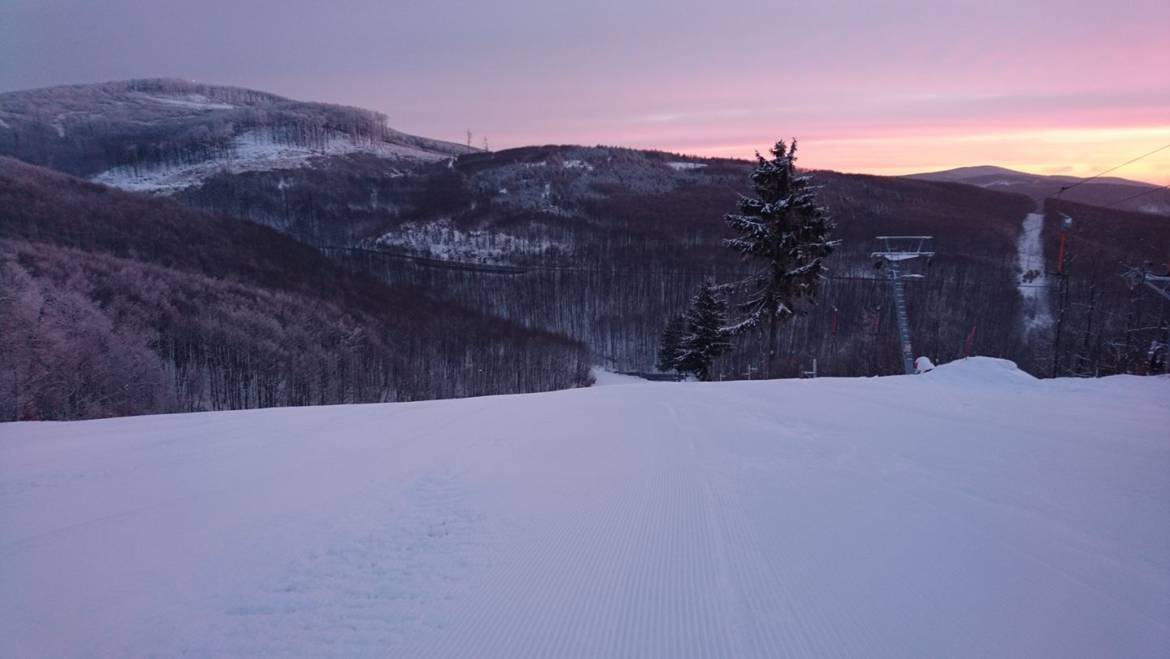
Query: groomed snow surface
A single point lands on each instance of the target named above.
(969, 512)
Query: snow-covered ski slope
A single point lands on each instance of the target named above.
(969, 512)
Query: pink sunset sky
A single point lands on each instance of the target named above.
(891, 87)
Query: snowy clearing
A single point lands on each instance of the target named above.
(251, 152)
(441, 240)
(969, 512)
(681, 166)
(577, 164)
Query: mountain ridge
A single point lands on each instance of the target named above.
(1104, 191)
(134, 133)
(969, 171)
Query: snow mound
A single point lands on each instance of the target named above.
(983, 371)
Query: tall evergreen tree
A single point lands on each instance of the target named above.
(784, 232)
(705, 337)
(670, 344)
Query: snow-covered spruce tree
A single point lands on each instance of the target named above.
(670, 343)
(786, 235)
(704, 337)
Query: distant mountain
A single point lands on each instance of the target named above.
(992, 173)
(1107, 191)
(164, 135)
(114, 303)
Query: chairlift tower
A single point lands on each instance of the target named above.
(895, 255)
(1160, 284)
(1062, 290)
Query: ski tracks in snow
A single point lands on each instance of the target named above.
(660, 560)
(969, 512)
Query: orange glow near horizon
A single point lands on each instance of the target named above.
(865, 136)
(1047, 86)
(1079, 152)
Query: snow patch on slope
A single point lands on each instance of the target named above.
(190, 101)
(250, 152)
(440, 240)
(680, 166)
(1037, 312)
(603, 377)
(577, 164)
(1154, 208)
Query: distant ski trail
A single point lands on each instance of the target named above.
(1037, 314)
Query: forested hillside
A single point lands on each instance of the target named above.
(114, 303)
(605, 244)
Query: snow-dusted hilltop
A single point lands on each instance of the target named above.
(163, 135)
(969, 512)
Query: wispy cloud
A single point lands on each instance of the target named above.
(698, 116)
